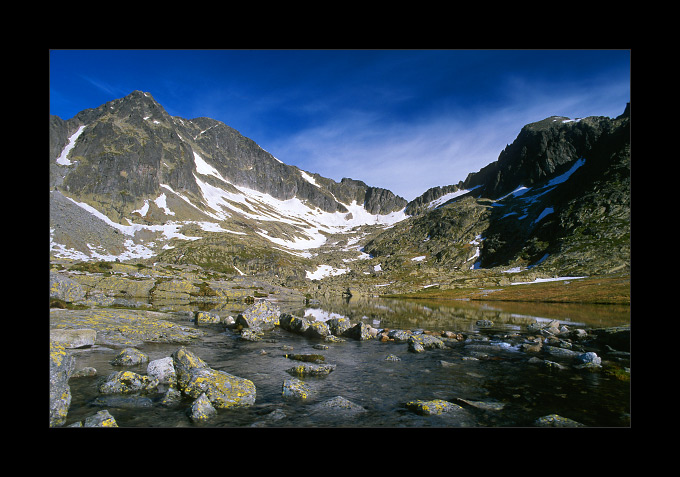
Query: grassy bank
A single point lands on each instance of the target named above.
(610, 290)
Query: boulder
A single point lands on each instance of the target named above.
(223, 390)
(419, 343)
(201, 409)
(361, 331)
(555, 420)
(101, 419)
(205, 317)
(129, 357)
(338, 325)
(80, 338)
(65, 289)
(293, 323)
(311, 369)
(294, 388)
(62, 365)
(317, 329)
(126, 382)
(162, 369)
(262, 314)
(428, 408)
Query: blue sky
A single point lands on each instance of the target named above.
(405, 120)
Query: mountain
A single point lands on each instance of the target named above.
(557, 199)
(130, 182)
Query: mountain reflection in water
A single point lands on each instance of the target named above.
(461, 316)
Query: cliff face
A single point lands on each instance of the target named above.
(543, 149)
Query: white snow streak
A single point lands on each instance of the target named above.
(62, 159)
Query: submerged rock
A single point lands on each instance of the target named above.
(428, 408)
(295, 388)
(309, 369)
(555, 420)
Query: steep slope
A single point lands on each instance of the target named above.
(127, 180)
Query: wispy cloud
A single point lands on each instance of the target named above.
(410, 157)
(113, 91)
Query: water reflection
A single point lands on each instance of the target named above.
(458, 315)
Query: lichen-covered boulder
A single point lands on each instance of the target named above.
(263, 315)
(129, 357)
(62, 365)
(295, 389)
(419, 343)
(311, 369)
(360, 331)
(125, 382)
(555, 420)
(317, 329)
(428, 408)
(65, 289)
(101, 419)
(223, 390)
(293, 323)
(201, 409)
(339, 325)
(163, 369)
(205, 317)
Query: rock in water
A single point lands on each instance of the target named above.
(223, 390)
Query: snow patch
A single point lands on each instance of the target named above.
(447, 197)
(308, 178)
(324, 271)
(63, 159)
(542, 280)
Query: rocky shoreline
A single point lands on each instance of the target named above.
(185, 379)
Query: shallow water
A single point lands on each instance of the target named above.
(504, 388)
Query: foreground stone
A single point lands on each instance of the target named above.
(101, 419)
(294, 388)
(201, 409)
(62, 365)
(223, 390)
(163, 369)
(428, 408)
(555, 420)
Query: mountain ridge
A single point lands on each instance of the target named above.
(129, 181)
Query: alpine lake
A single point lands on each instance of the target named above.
(486, 372)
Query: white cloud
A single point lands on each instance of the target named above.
(410, 157)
